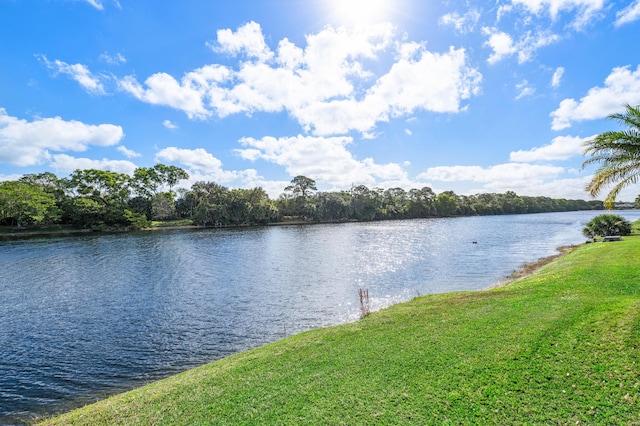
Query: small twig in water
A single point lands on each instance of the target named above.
(364, 302)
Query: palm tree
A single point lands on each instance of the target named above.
(618, 154)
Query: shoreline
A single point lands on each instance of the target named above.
(510, 332)
(522, 272)
(74, 231)
(68, 231)
(529, 268)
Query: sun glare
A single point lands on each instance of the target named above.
(360, 12)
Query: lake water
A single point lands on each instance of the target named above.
(87, 316)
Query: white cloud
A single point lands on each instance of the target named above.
(463, 24)
(77, 72)
(66, 163)
(533, 23)
(629, 14)
(9, 177)
(99, 4)
(169, 125)
(163, 89)
(196, 159)
(431, 82)
(525, 47)
(326, 160)
(200, 163)
(28, 143)
(202, 166)
(408, 132)
(115, 59)
(96, 3)
(503, 10)
(620, 87)
(129, 153)
(248, 39)
(325, 86)
(500, 42)
(561, 148)
(524, 89)
(502, 172)
(569, 188)
(522, 178)
(586, 11)
(557, 77)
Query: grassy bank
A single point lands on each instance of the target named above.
(561, 346)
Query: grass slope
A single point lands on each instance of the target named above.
(558, 347)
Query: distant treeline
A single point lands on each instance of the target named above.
(99, 199)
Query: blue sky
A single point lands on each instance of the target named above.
(455, 95)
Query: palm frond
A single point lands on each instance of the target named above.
(617, 153)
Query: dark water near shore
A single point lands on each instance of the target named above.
(87, 316)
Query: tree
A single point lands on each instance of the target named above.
(394, 203)
(605, 225)
(212, 204)
(25, 204)
(446, 203)
(332, 206)
(103, 186)
(363, 203)
(512, 204)
(249, 206)
(301, 186)
(148, 181)
(618, 153)
(51, 184)
(186, 203)
(109, 194)
(170, 175)
(162, 206)
(47, 181)
(421, 202)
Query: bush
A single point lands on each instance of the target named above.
(606, 225)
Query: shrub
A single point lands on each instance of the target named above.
(606, 225)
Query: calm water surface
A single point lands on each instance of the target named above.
(88, 316)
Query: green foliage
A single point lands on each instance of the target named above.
(99, 199)
(24, 203)
(301, 186)
(216, 205)
(446, 203)
(170, 175)
(163, 207)
(618, 155)
(605, 225)
(103, 186)
(87, 213)
(134, 220)
(148, 181)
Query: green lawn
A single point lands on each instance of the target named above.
(559, 347)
